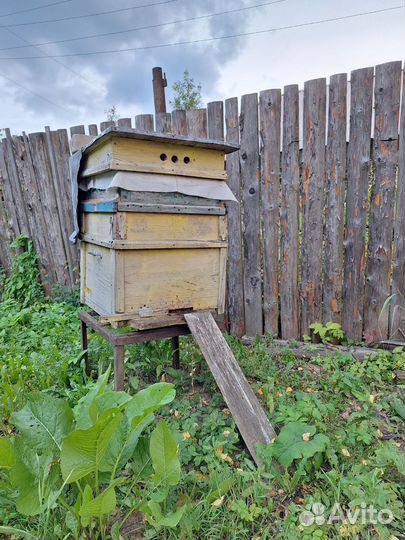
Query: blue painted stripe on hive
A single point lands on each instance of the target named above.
(102, 206)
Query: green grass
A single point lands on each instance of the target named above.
(358, 407)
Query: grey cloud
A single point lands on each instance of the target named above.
(127, 76)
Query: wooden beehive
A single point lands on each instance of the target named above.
(153, 238)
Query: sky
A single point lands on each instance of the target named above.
(74, 86)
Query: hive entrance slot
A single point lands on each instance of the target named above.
(180, 311)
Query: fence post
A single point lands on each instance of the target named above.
(289, 216)
(387, 92)
(249, 166)
(270, 125)
(236, 308)
(361, 103)
(335, 177)
(397, 314)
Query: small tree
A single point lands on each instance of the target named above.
(112, 114)
(186, 93)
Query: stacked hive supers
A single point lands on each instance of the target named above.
(153, 224)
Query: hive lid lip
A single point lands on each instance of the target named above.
(129, 133)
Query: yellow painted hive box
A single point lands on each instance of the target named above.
(153, 224)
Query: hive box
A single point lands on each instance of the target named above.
(153, 225)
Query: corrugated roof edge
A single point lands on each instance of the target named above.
(129, 133)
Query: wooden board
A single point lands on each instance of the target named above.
(168, 279)
(124, 122)
(98, 276)
(335, 197)
(49, 204)
(151, 282)
(236, 307)
(215, 116)
(13, 226)
(245, 408)
(16, 184)
(154, 227)
(179, 123)
(163, 122)
(153, 157)
(34, 212)
(196, 122)
(270, 122)
(249, 166)
(144, 122)
(361, 104)
(5, 238)
(387, 94)
(313, 193)
(289, 216)
(397, 311)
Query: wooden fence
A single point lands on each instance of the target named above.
(319, 231)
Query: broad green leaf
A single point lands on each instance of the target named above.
(158, 520)
(7, 453)
(13, 530)
(398, 406)
(99, 506)
(86, 409)
(22, 479)
(149, 400)
(86, 498)
(83, 450)
(222, 489)
(123, 444)
(388, 455)
(44, 421)
(141, 464)
(111, 400)
(31, 471)
(164, 453)
(72, 523)
(296, 441)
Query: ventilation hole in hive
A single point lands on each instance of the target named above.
(163, 157)
(175, 159)
(186, 160)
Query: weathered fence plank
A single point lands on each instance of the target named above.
(20, 201)
(236, 308)
(313, 193)
(163, 122)
(32, 207)
(215, 119)
(62, 152)
(196, 121)
(361, 103)
(289, 216)
(387, 91)
(93, 130)
(49, 204)
(144, 122)
(249, 166)
(9, 205)
(60, 194)
(77, 130)
(5, 237)
(270, 123)
(335, 218)
(397, 314)
(107, 124)
(124, 122)
(45, 253)
(179, 123)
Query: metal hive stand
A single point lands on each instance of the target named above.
(119, 341)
